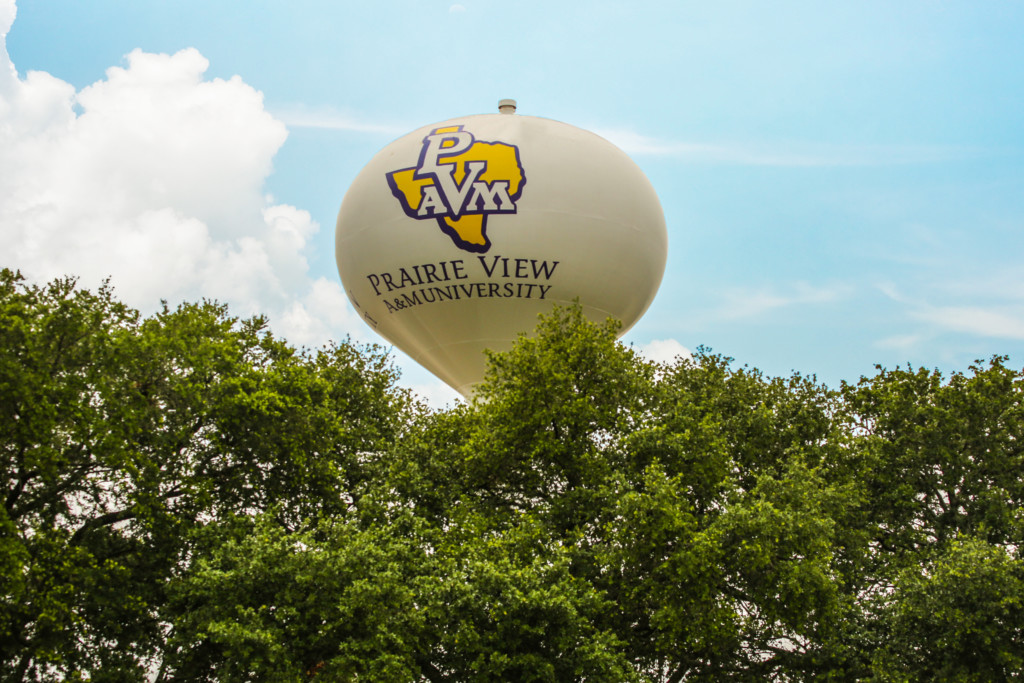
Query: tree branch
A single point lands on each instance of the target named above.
(101, 521)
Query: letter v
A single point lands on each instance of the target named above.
(483, 262)
(450, 191)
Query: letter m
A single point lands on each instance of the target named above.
(490, 196)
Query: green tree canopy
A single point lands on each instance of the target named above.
(191, 499)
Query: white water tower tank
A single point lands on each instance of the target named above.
(455, 237)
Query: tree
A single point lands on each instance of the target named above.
(120, 436)
(192, 499)
(940, 459)
(714, 562)
(956, 618)
(939, 463)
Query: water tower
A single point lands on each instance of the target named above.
(455, 237)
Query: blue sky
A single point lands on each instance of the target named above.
(843, 183)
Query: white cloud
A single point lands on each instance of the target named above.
(996, 309)
(988, 280)
(320, 315)
(437, 394)
(664, 351)
(891, 291)
(745, 303)
(302, 116)
(154, 176)
(791, 154)
(1004, 322)
(901, 342)
(8, 11)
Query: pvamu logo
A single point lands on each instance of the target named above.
(459, 181)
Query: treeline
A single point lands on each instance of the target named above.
(189, 498)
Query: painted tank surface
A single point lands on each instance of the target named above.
(455, 237)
